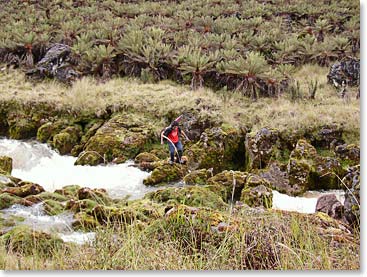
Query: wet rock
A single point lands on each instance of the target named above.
(198, 177)
(98, 195)
(22, 239)
(257, 196)
(24, 189)
(330, 205)
(6, 165)
(6, 181)
(196, 196)
(260, 147)
(46, 196)
(218, 148)
(85, 205)
(71, 191)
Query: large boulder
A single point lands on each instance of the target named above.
(330, 205)
(261, 147)
(55, 64)
(218, 148)
(122, 137)
(164, 173)
(227, 182)
(66, 139)
(307, 170)
(198, 177)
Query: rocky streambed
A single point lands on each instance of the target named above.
(226, 168)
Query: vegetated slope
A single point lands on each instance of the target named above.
(249, 46)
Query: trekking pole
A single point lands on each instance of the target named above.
(179, 159)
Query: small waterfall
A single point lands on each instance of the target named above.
(38, 163)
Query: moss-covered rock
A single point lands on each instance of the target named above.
(6, 164)
(24, 189)
(48, 130)
(111, 214)
(46, 196)
(196, 196)
(85, 221)
(218, 148)
(22, 128)
(65, 141)
(257, 196)
(223, 183)
(22, 239)
(122, 137)
(198, 177)
(71, 191)
(85, 205)
(98, 195)
(325, 136)
(165, 173)
(261, 147)
(6, 181)
(52, 207)
(349, 153)
(352, 203)
(7, 199)
(145, 157)
(307, 170)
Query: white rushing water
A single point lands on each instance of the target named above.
(35, 217)
(38, 163)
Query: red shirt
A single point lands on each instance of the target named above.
(173, 136)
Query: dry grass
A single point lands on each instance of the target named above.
(263, 241)
(232, 108)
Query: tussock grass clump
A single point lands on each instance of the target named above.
(265, 240)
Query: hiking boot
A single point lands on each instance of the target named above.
(170, 162)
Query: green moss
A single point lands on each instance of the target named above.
(165, 173)
(22, 239)
(196, 196)
(6, 164)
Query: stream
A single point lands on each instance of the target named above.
(37, 162)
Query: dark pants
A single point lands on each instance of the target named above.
(172, 150)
